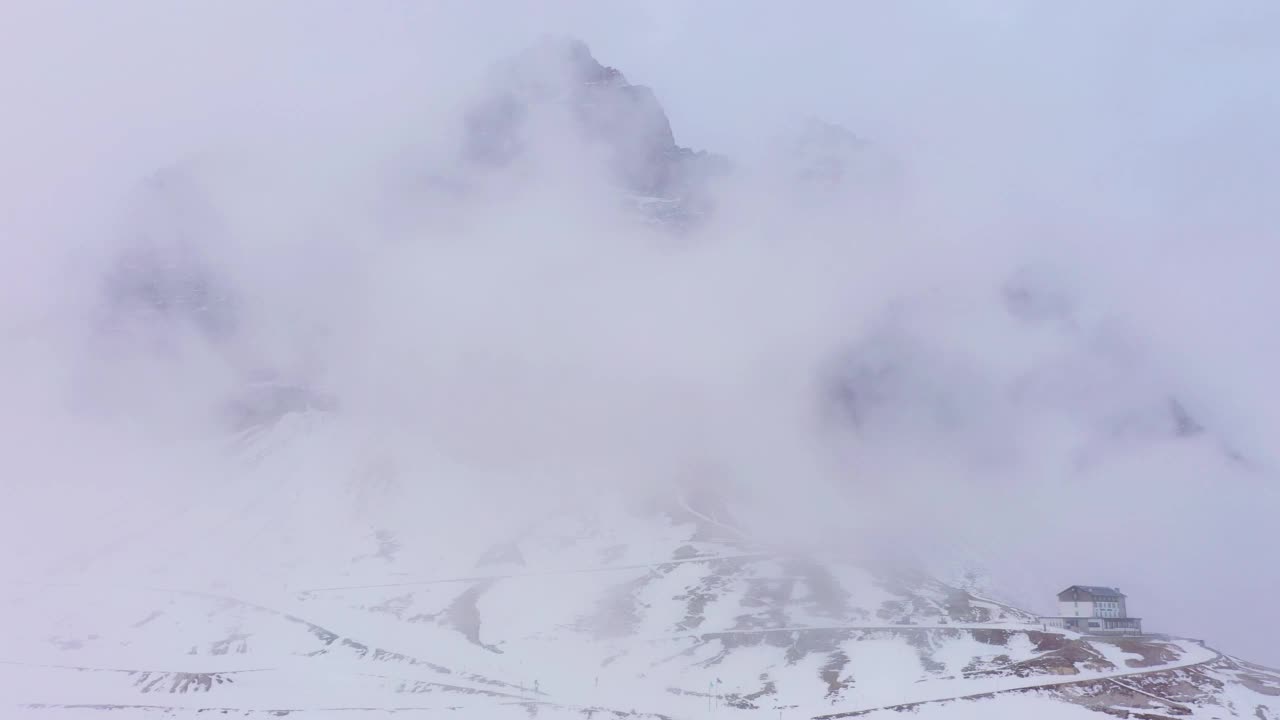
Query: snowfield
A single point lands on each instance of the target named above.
(609, 607)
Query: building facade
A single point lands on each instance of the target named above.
(1094, 610)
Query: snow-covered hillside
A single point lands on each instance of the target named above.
(653, 607)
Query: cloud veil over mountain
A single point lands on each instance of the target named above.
(666, 361)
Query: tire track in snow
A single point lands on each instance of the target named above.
(329, 638)
(530, 705)
(82, 668)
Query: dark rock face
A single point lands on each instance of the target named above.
(1034, 295)
(604, 109)
(265, 401)
(825, 154)
(161, 275)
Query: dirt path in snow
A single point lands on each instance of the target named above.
(1034, 684)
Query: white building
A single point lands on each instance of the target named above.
(1094, 610)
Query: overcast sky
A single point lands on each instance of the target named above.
(1128, 153)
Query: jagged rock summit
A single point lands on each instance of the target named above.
(626, 120)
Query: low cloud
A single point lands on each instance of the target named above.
(1029, 323)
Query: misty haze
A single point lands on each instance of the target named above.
(678, 360)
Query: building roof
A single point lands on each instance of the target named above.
(1095, 590)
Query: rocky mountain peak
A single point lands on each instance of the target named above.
(604, 108)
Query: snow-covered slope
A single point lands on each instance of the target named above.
(655, 606)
